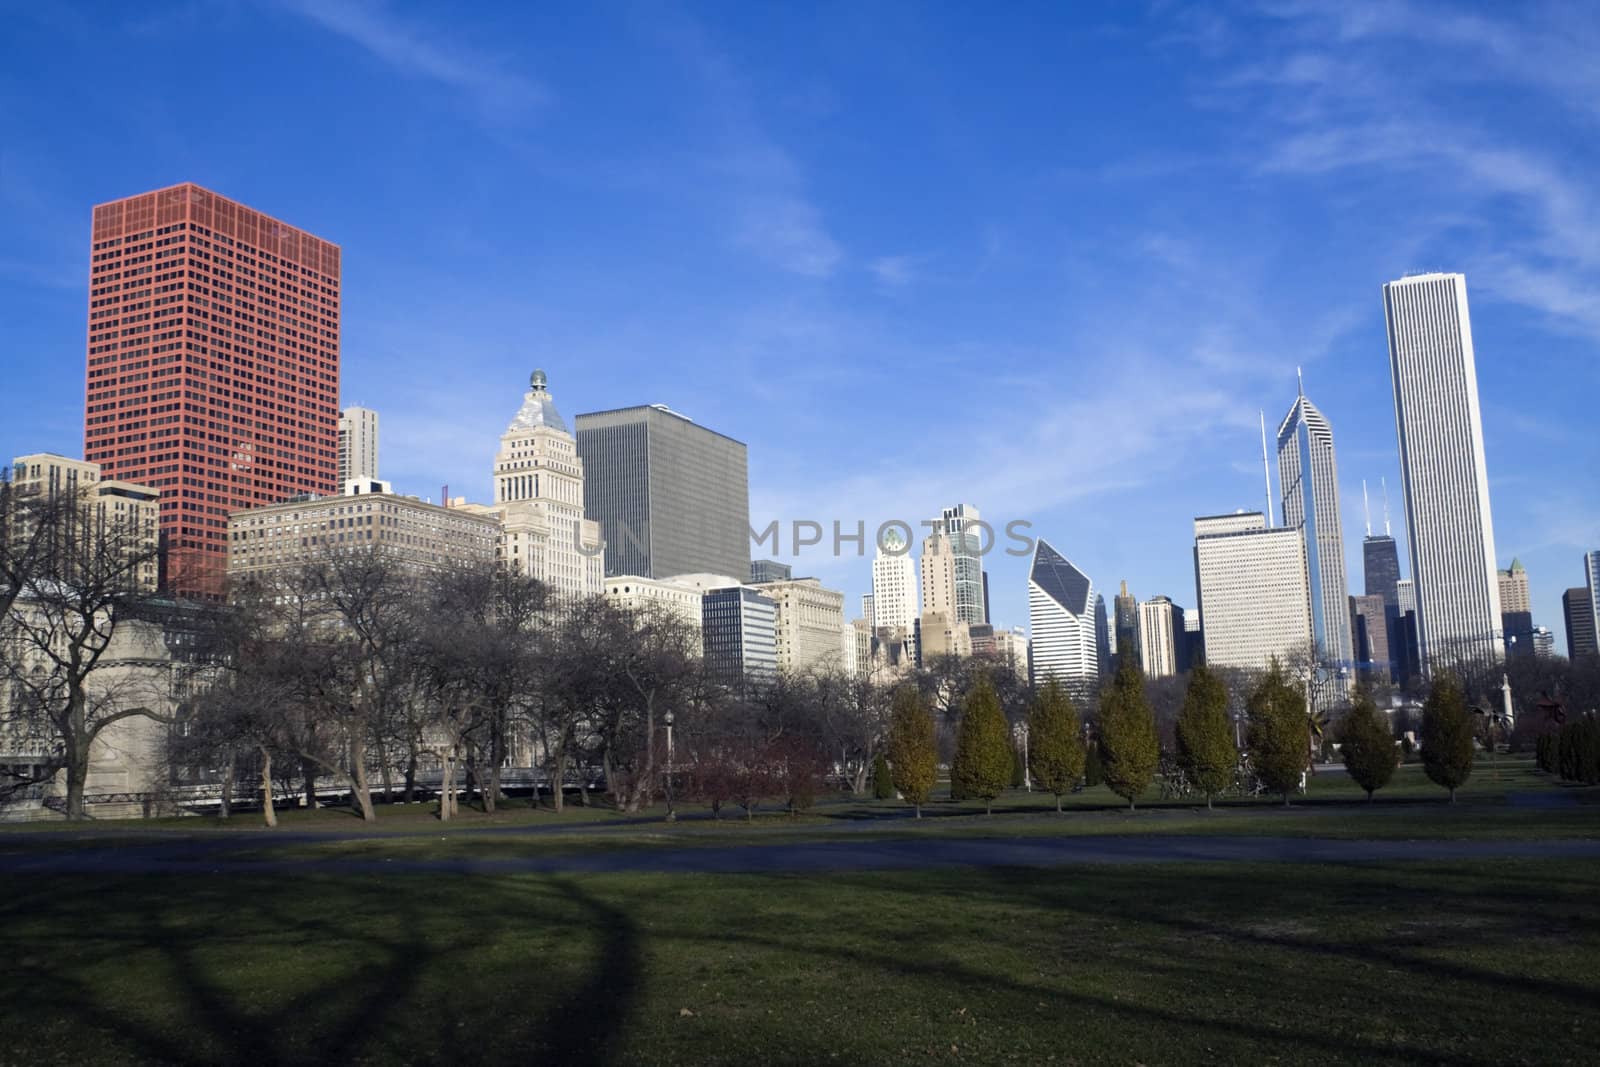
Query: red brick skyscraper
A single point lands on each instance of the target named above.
(213, 365)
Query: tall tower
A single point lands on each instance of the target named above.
(213, 366)
(894, 584)
(965, 540)
(1309, 480)
(1067, 619)
(538, 492)
(1440, 432)
(1251, 581)
(358, 444)
(1126, 625)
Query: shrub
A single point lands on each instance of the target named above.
(882, 782)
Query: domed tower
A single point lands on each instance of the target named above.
(538, 491)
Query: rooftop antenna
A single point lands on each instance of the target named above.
(1366, 507)
(1266, 470)
(1385, 483)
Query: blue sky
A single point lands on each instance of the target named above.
(912, 254)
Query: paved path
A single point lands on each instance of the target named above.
(218, 855)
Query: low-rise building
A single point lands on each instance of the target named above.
(112, 516)
(809, 622)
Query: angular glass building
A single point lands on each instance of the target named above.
(1067, 618)
(1308, 477)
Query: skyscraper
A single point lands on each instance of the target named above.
(1254, 595)
(1576, 608)
(1516, 610)
(538, 494)
(966, 545)
(1067, 619)
(671, 497)
(1440, 430)
(213, 365)
(1309, 477)
(767, 570)
(1591, 572)
(1370, 625)
(1380, 561)
(1125, 625)
(358, 444)
(1161, 634)
(894, 583)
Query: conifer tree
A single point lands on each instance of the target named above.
(912, 751)
(1366, 744)
(1056, 754)
(1094, 768)
(1129, 746)
(1206, 751)
(1277, 740)
(882, 779)
(1447, 734)
(982, 764)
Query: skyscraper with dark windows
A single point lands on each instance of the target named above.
(1380, 560)
(213, 366)
(671, 496)
(1578, 611)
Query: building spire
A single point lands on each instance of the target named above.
(1266, 469)
(1366, 506)
(1298, 373)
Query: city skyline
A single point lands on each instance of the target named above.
(808, 340)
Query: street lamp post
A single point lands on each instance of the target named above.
(1027, 773)
(672, 815)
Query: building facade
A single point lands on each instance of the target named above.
(213, 365)
(358, 444)
(1577, 611)
(1380, 559)
(942, 635)
(1066, 618)
(538, 499)
(1125, 623)
(894, 583)
(110, 516)
(769, 570)
(1160, 637)
(632, 592)
(284, 538)
(1370, 624)
(1308, 476)
(1449, 525)
(964, 538)
(739, 628)
(671, 496)
(1254, 594)
(1591, 572)
(808, 623)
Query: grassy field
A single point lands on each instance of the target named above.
(1453, 963)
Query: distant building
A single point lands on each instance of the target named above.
(1514, 588)
(671, 496)
(1516, 610)
(767, 570)
(1370, 624)
(1309, 476)
(963, 539)
(944, 636)
(1010, 647)
(1544, 642)
(894, 583)
(358, 444)
(1067, 619)
(739, 626)
(111, 516)
(1449, 526)
(1193, 648)
(1577, 609)
(1381, 569)
(538, 499)
(1125, 623)
(633, 592)
(808, 623)
(1254, 594)
(869, 609)
(1591, 571)
(1161, 635)
(284, 538)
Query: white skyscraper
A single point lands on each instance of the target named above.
(1440, 430)
(894, 583)
(1160, 630)
(1254, 594)
(1067, 618)
(1309, 481)
(538, 495)
(966, 542)
(358, 444)
(1591, 577)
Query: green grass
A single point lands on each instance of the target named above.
(1460, 963)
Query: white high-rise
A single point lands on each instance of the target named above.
(894, 583)
(538, 495)
(1067, 618)
(964, 535)
(1308, 478)
(1160, 630)
(1440, 431)
(358, 444)
(1254, 594)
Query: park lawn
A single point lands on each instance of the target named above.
(1480, 962)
